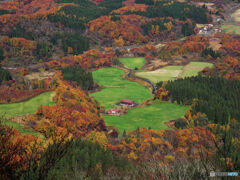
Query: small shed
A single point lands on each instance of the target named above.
(113, 111)
(127, 102)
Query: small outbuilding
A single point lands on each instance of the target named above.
(113, 112)
(126, 102)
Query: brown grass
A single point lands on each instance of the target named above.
(155, 64)
(39, 75)
(236, 16)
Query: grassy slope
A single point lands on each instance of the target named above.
(20, 127)
(26, 107)
(152, 116)
(188, 72)
(119, 88)
(22, 108)
(133, 62)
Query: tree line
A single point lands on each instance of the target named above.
(4, 74)
(218, 97)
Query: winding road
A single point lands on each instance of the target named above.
(130, 74)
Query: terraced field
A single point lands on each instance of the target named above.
(231, 28)
(153, 116)
(173, 72)
(117, 88)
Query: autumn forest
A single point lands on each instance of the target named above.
(119, 89)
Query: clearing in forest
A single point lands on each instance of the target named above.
(153, 116)
(132, 63)
(117, 88)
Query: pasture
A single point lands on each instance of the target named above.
(132, 63)
(117, 88)
(172, 72)
(153, 116)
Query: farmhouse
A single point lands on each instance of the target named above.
(113, 112)
(126, 102)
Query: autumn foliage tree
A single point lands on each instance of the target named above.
(15, 151)
(74, 113)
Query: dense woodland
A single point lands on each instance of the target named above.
(77, 74)
(175, 10)
(74, 38)
(4, 74)
(217, 97)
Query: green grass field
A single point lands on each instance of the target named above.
(152, 116)
(22, 108)
(189, 73)
(118, 88)
(26, 107)
(200, 64)
(132, 63)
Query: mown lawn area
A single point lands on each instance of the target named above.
(152, 116)
(117, 88)
(136, 62)
(26, 107)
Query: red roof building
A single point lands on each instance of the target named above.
(126, 101)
